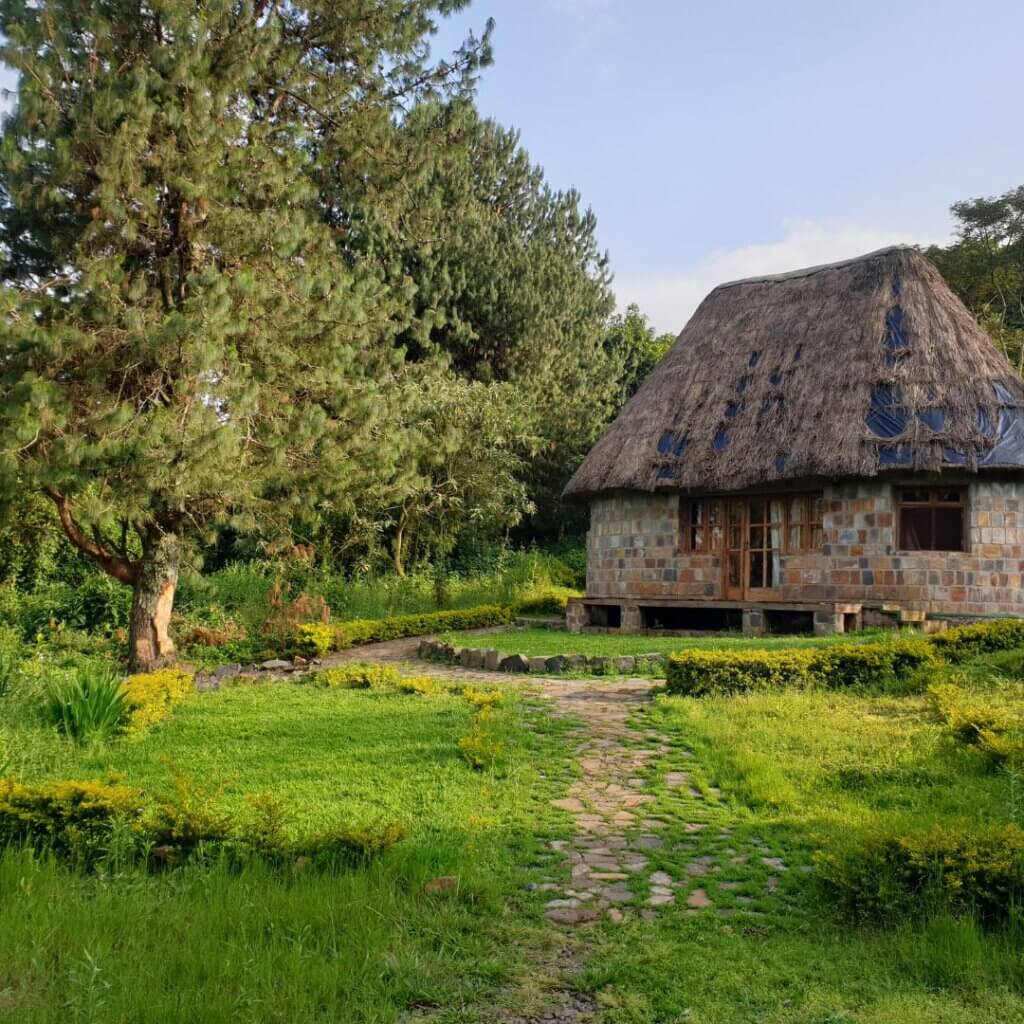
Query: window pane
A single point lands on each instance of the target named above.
(696, 513)
(916, 529)
(794, 538)
(757, 511)
(917, 495)
(735, 536)
(757, 536)
(697, 539)
(796, 509)
(735, 512)
(756, 569)
(817, 538)
(949, 496)
(949, 529)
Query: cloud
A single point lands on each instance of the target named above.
(670, 299)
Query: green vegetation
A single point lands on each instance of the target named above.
(89, 706)
(855, 794)
(540, 641)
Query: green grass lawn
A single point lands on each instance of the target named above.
(540, 641)
(255, 944)
(802, 771)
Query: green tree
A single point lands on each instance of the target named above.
(985, 266)
(188, 340)
(636, 348)
(511, 287)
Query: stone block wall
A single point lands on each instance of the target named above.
(635, 552)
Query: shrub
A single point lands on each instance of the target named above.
(357, 675)
(885, 876)
(988, 721)
(966, 642)
(75, 819)
(846, 665)
(344, 635)
(697, 673)
(426, 686)
(90, 705)
(151, 696)
(355, 844)
(481, 748)
(546, 601)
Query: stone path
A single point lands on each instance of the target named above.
(650, 836)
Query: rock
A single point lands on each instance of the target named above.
(464, 656)
(492, 659)
(618, 894)
(476, 658)
(571, 915)
(698, 899)
(661, 878)
(514, 663)
(275, 665)
(626, 663)
(300, 662)
(660, 899)
(649, 915)
(538, 665)
(655, 659)
(615, 915)
(164, 856)
(569, 804)
(577, 662)
(559, 663)
(599, 664)
(446, 883)
(424, 649)
(774, 862)
(226, 671)
(446, 652)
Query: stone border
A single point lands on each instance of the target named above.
(490, 659)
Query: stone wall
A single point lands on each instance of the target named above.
(635, 552)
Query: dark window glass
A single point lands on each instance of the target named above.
(932, 520)
(756, 569)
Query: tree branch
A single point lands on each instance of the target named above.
(121, 569)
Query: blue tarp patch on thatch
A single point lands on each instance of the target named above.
(1009, 447)
(886, 417)
(896, 455)
(721, 440)
(673, 443)
(935, 419)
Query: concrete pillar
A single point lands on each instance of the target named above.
(827, 623)
(753, 621)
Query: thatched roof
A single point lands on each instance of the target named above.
(843, 370)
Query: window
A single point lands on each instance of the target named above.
(804, 516)
(931, 518)
(704, 526)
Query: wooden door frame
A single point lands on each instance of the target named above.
(745, 592)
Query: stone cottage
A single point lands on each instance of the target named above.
(829, 448)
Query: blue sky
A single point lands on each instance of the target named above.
(715, 139)
(725, 138)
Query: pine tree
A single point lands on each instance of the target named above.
(189, 338)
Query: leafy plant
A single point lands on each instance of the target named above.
(90, 705)
(8, 672)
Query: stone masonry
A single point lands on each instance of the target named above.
(635, 553)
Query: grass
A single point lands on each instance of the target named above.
(800, 771)
(539, 641)
(366, 945)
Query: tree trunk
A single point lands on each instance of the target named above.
(149, 642)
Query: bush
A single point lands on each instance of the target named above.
(90, 705)
(992, 723)
(546, 601)
(846, 665)
(966, 642)
(357, 675)
(699, 673)
(8, 672)
(884, 876)
(75, 819)
(151, 696)
(313, 639)
(696, 673)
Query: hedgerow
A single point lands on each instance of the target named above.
(318, 638)
(696, 673)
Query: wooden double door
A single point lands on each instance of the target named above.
(754, 538)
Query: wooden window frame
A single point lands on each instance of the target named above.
(715, 545)
(962, 503)
(809, 523)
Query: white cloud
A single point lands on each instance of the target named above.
(670, 299)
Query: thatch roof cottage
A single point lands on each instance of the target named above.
(831, 447)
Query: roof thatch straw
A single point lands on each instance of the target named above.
(844, 370)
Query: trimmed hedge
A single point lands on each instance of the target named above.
(316, 638)
(700, 673)
(883, 876)
(696, 673)
(966, 642)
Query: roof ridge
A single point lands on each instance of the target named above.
(818, 268)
